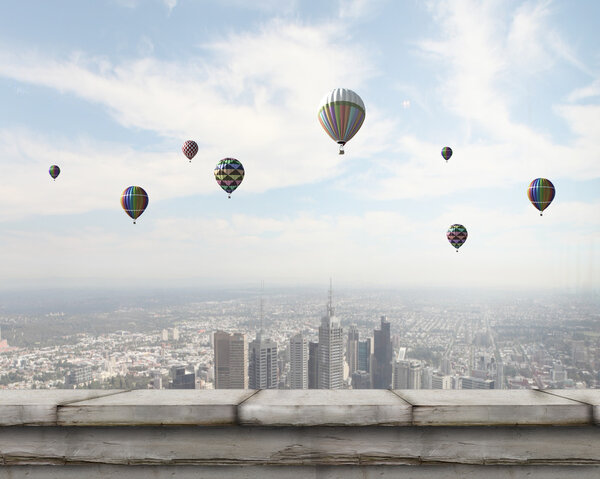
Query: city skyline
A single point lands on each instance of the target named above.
(110, 91)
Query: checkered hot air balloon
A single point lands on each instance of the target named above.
(229, 174)
(341, 114)
(134, 201)
(541, 193)
(190, 148)
(446, 153)
(54, 171)
(457, 235)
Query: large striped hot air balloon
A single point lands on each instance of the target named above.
(341, 114)
(541, 193)
(134, 201)
(229, 174)
(54, 171)
(457, 235)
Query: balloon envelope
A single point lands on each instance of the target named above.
(190, 148)
(229, 174)
(541, 193)
(341, 114)
(54, 171)
(134, 201)
(446, 152)
(457, 235)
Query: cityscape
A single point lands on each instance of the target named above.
(306, 339)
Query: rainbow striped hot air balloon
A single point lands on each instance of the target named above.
(446, 153)
(134, 201)
(54, 171)
(341, 114)
(229, 174)
(457, 235)
(541, 193)
(190, 148)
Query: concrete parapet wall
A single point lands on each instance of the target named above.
(314, 433)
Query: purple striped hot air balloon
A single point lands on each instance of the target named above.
(54, 172)
(341, 114)
(134, 201)
(541, 193)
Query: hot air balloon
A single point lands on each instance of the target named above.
(457, 235)
(446, 153)
(190, 148)
(341, 114)
(229, 174)
(54, 171)
(134, 201)
(541, 193)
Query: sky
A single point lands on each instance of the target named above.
(110, 90)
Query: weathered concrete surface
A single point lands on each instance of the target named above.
(293, 446)
(587, 396)
(299, 472)
(493, 408)
(169, 407)
(323, 407)
(39, 407)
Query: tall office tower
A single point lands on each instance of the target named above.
(469, 382)
(414, 375)
(298, 362)
(313, 365)
(361, 380)
(382, 357)
(365, 350)
(499, 384)
(331, 350)
(439, 381)
(352, 349)
(180, 379)
(262, 364)
(231, 360)
(401, 369)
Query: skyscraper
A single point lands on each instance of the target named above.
(313, 365)
(352, 349)
(382, 357)
(331, 350)
(262, 361)
(231, 360)
(298, 362)
(365, 350)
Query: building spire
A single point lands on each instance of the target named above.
(330, 309)
(262, 309)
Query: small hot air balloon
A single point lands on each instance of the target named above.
(229, 174)
(341, 114)
(457, 235)
(446, 153)
(54, 171)
(541, 193)
(134, 201)
(190, 148)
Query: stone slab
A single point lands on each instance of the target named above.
(157, 407)
(493, 408)
(587, 396)
(39, 407)
(320, 407)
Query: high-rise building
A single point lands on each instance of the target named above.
(231, 360)
(401, 368)
(331, 350)
(298, 362)
(352, 349)
(180, 379)
(440, 381)
(469, 382)
(262, 364)
(313, 365)
(365, 350)
(381, 368)
(361, 380)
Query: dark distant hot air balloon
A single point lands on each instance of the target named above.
(190, 148)
(229, 174)
(54, 171)
(457, 235)
(446, 153)
(341, 114)
(541, 193)
(134, 201)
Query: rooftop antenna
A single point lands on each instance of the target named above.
(262, 290)
(330, 310)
